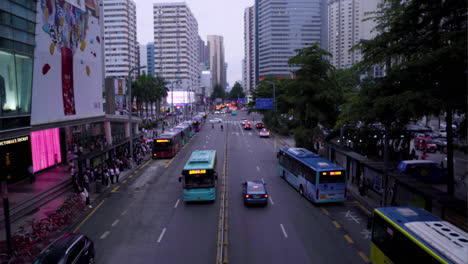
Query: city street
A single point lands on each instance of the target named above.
(145, 220)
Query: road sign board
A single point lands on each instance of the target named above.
(264, 103)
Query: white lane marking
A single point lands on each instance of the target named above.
(115, 222)
(161, 235)
(206, 142)
(104, 235)
(271, 200)
(258, 168)
(124, 212)
(177, 203)
(242, 130)
(263, 181)
(284, 231)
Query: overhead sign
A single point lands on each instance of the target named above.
(264, 103)
(241, 100)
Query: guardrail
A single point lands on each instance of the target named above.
(222, 248)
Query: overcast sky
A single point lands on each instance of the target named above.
(215, 17)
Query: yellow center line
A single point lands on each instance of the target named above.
(124, 181)
(364, 209)
(364, 256)
(337, 225)
(348, 238)
(115, 189)
(325, 211)
(89, 215)
(136, 171)
(131, 176)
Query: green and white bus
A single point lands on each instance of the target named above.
(199, 176)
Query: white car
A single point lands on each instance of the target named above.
(217, 112)
(216, 120)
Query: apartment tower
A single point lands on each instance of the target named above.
(176, 45)
(120, 39)
(217, 64)
(248, 78)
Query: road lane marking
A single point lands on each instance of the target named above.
(124, 212)
(115, 222)
(206, 142)
(258, 168)
(348, 238)
(89, 215)
(364, 256)
(136, 171)
(104, 235)
(325, 211)
(169, 163)
(284, 231)
(177, 203)
(271, 200)
(124, 181)
(337, 225)
(115, 189)
(263, 181)
(161, 235)
(131, 176)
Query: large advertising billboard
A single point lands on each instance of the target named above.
(68, 80)
(180, 97)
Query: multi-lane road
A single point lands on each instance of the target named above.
(144, 220)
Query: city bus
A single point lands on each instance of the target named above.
(191, 130)
(413, 235)
(316, 178)
(184, 132)
(167, 145)
(199, 176)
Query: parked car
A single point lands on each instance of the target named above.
(73, 248)
(425, 144)
(424, 170)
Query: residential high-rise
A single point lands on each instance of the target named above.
(176, 45)
(281, 27)
(204, 50)
(120, 39)
(218, 73)
(150, 59)
(346, 28)
(142, 61)
(248, 78)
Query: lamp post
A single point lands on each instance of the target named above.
(130, 104)
(274, 94)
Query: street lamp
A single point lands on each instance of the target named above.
(274, 94)
(129, 84)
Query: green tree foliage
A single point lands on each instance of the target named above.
(149, 90)
(218, 92)
(236, 92)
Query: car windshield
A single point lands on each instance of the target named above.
(51, 255)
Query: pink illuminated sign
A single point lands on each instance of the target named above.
(45, 147)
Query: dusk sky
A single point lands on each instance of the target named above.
(215, 17)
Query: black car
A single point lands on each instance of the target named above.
(259, 126)
(248, 126)
(72, 248)
(254, 192)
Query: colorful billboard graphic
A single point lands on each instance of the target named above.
(68, 64)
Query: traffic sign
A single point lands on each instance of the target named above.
(264, 103)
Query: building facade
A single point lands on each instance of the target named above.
(248, 64)
(142, 59)
(150, 59)
(176, 45)
(120, 37)
(217, 63)
(281, 27)
(346, 29)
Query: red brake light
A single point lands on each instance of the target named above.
(266, 195)
(247, 196)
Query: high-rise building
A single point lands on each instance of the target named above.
(281, 27)
(120, 39)
(204, 56)
(218, 73)
(248, 78)
(176, 45)
(150, 59)
(346, 28)
(142, 59)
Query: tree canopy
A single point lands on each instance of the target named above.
(218, 92)
(236, 92)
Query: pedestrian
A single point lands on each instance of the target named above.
(32, 178)
(106, 177)
(56, 159)
(111, 174)
(85, 196)
(117, 174)
(86, 181)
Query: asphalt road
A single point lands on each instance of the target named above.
(144, 220)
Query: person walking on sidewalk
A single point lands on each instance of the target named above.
(111, 174)
(106, 177)
(32, 178)
(117, 174)
(85, 196)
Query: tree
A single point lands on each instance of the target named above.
(236, 92)
(423, 46)
(218, 92)
(149, 90)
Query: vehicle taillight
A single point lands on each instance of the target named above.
(266, 195)
(317, 194)
(247, 196)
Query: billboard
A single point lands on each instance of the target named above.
(68, 70)
(180, 97)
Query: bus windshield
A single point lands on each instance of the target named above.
(161, 146)
(199, 181)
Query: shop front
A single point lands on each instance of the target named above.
(15, 157)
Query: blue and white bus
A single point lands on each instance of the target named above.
(199, 176)
(316, 178)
